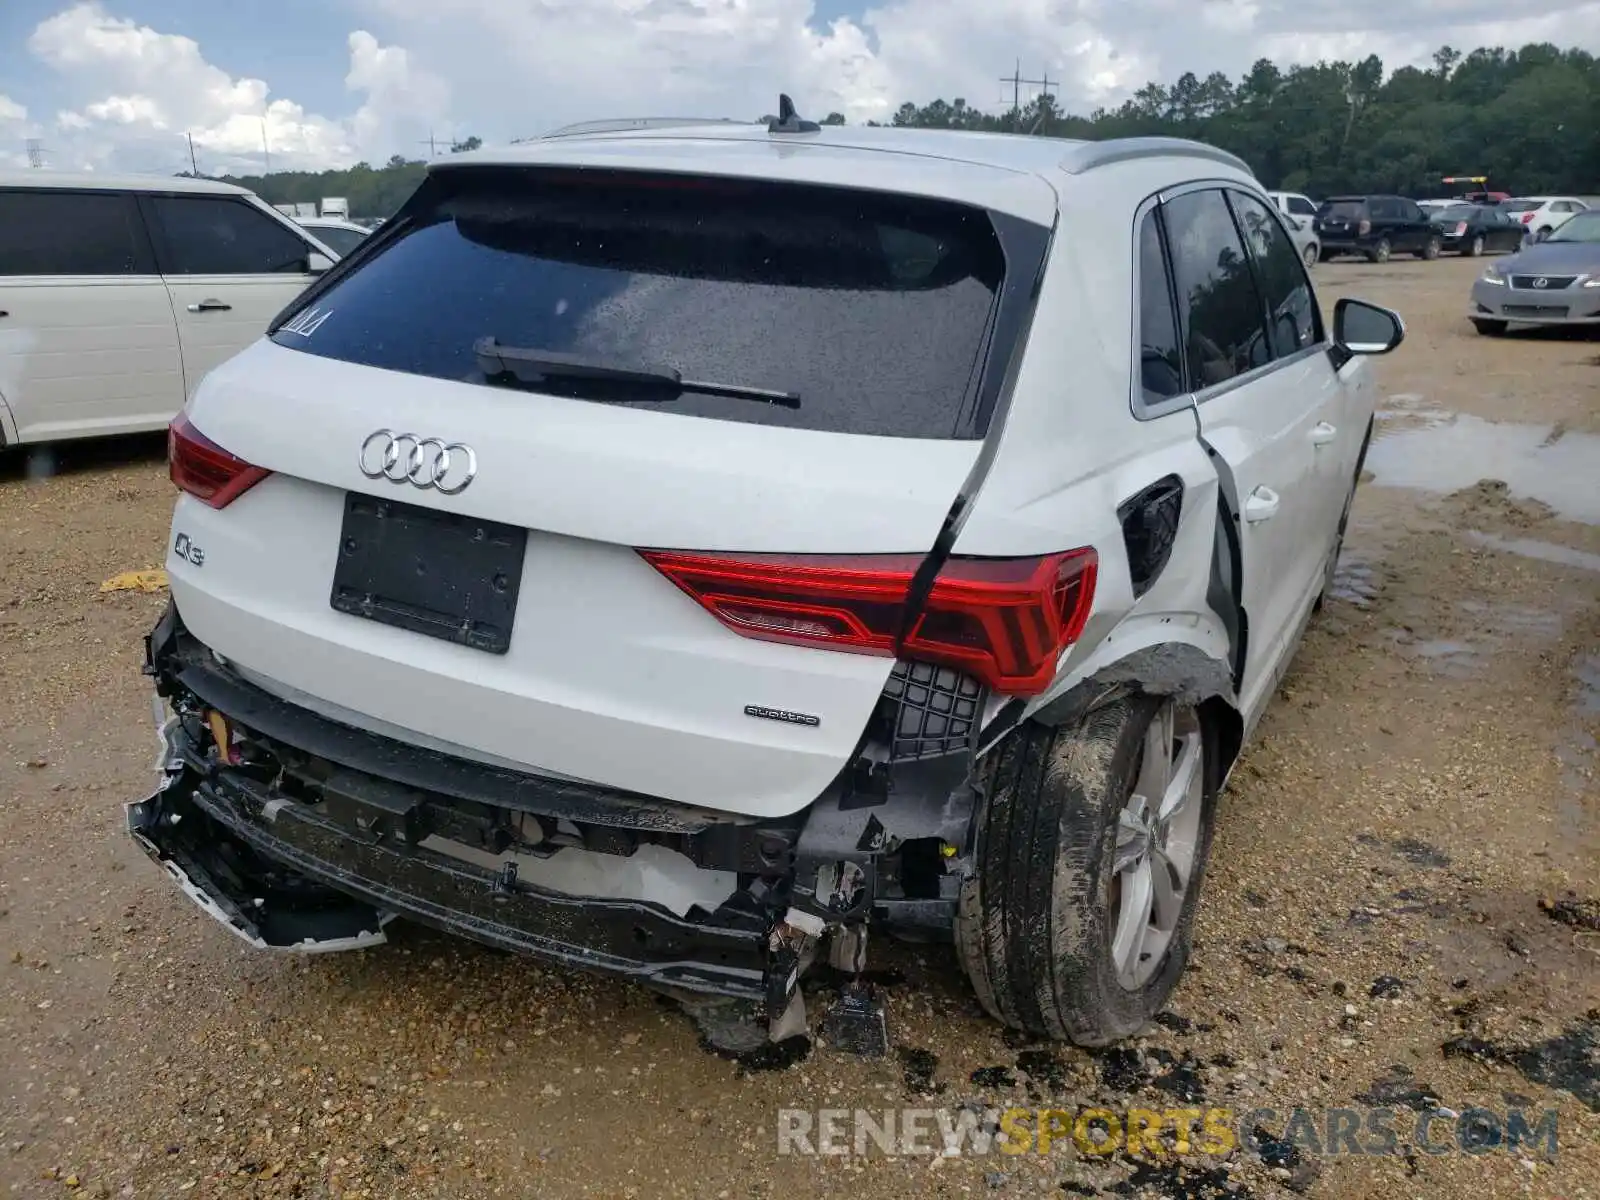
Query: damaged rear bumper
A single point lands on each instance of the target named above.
(301, 834)
(280, 875)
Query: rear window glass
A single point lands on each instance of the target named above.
(871, 310)
(1461, 212)
(1348, 210)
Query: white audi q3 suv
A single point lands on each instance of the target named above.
(677, 549)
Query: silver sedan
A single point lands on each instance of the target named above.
(1552, 282)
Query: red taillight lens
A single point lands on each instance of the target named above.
(1461, 228)
(1003, 620)
(204, 469)
(1365, 227)
(1527, 218)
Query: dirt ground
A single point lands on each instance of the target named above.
(1401, 910)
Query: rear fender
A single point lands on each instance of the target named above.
(1154, 656)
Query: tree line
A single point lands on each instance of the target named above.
(1528, 119)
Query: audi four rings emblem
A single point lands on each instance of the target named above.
(424, 462)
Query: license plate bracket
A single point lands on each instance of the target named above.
(443, 575)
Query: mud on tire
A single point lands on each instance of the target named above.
(1033, 928)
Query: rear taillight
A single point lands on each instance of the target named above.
(204, 469)
(1461, 228)
(1365, 227)
(1003, 620)
(1527, 218)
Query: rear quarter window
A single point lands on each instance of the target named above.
(1345, 210)
(873, 309)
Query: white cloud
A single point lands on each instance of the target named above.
(507, 68)
(144, 90)
(10, 111)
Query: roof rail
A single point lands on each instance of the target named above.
(623, 124)
(1086, 156)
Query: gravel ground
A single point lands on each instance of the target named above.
(1401, 909)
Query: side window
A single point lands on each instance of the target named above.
(1301, 207)
(1291, 309)
(1381, 210)
(1218, 304)
(1160, 359)
(213, 235)
(56, 232)
(1414, 212)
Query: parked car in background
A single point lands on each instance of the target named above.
(897, 634)
(119, 293)
(1474, 229)
(1376, 227)
(1543, 215)
(339, 236)
(1307, 244)
(1552, 282)
(1293, 204)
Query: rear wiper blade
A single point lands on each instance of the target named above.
(528, 365)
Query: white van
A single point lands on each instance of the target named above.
(118, 294)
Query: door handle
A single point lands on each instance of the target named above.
(211, 306)
(1261, 505)
(1322, 433)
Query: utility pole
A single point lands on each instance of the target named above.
(266, 150)
(194, 167)
(1016, 81)
(432, 144)
(35, 152)
(1044, 90)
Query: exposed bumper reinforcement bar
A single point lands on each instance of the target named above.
(279, 875)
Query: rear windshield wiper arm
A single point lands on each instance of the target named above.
(528, 365)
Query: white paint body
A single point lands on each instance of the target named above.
(617, 678)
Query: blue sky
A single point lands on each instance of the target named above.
(118, 83)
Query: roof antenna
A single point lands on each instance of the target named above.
(789, 121)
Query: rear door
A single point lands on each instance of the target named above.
(840, 349)
(1266, 401)
(87, 339)
(230, 266)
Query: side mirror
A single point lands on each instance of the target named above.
(1362, 328)
(317, 262)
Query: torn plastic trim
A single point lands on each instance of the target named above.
(144, 825)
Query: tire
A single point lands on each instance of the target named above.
(1475, 247)
(1543, 232)
(1380, 252)
(1430, 251)
(1324, 255)
(1035, 925)
(1312, 256)
(1489, 328)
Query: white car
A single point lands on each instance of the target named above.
(338, 235)
(1543, 215)
(676, 551)
(1302, 208)
(119, 294)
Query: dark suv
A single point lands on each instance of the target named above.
(1375, 226)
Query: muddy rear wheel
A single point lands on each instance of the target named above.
(1092, 843)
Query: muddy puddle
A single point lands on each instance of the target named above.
(1445, 452)
(1550, 552)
